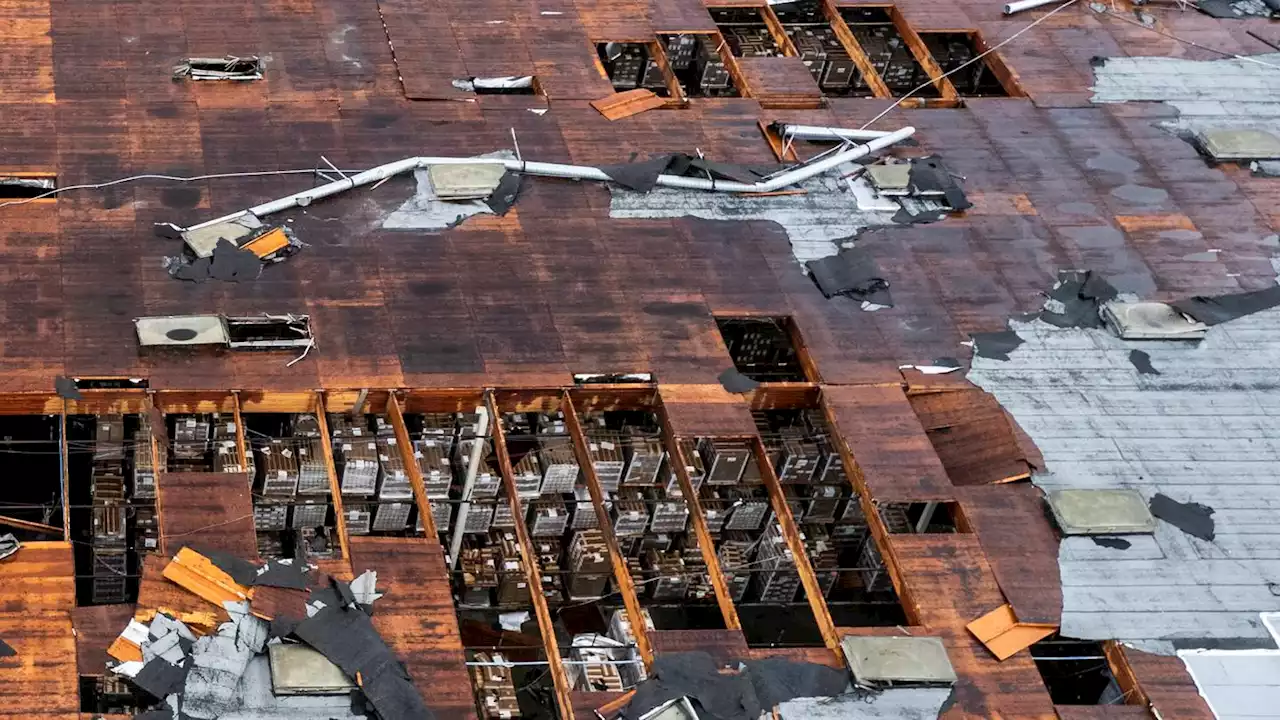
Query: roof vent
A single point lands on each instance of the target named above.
(261, 332)
(1151, 321)
(173, 330)
(896, 661)
(225, 68)
(1229, 144)
(1101, 512)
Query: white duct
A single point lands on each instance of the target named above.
(1020, 5)
(815, 132)
(795, 175)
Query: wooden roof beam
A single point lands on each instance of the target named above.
(856, 53)
(791, 532)
(699, 521)
(335, 488)
(533, 574)
(396, 416)
(621, 576)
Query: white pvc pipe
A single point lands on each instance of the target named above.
(468, 486)
(1020, 5)
(795, 175)
(814, 132)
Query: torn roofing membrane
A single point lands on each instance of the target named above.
(1205, 431)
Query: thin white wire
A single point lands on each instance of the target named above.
(1185, 41)
(172, 178)
(975, 59)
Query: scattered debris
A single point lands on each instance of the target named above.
(1191, 518)
(1076, 300)
(924, 188)
(1002, 633)
(940, 366)
(736, 382)
(6, 650)
(1217, 309)
(759, 684)
(625, 104)
(232, 259)
(8, 545)
(995, 345)
(1142, 361)
(66, 388)
(1115, 543)
(509, 85)
(1235, 9)
(206, 670)
(852, 273)
(202, 239)
(227, 68)
(504, 194)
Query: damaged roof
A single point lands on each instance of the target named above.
(1083, 167)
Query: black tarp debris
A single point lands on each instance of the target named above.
(1217, 309)
(66, 388)
(292, 575)
(8, 545)
(233, 264)
(736, 382)
(348, 639)
(853, 273)
(930, 175)
(643, 176)
(160, 677)
(504, 196)
(1076, 299)
(638, 176)
(1142, 361)
(195, 271)
(240, 570)
(777, 680)
(995, 345)
(6, 650)
(923, 217)
(1191, 518)
(283, 626)
(1115, 543)
(742, 696)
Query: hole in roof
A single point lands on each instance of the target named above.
(696, 62)
(225, 68)
(952, 50)
(820, 49)
(875, 31)
(26, 187)
(1076, 672)
(632, 65)
(745, 31)
(763, 348)
(920, 517)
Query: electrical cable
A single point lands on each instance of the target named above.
(171, 178)
(967, 63)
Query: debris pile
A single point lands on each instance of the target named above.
(231, 250)
(273, 639)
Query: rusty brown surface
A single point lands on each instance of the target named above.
(556, 286)
(207, 510)
(37, 594)
(97, 626)
(416, 618)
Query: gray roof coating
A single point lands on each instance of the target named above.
(891, 704)
(1238, 684)
(1206, 430)
(1228, 93)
